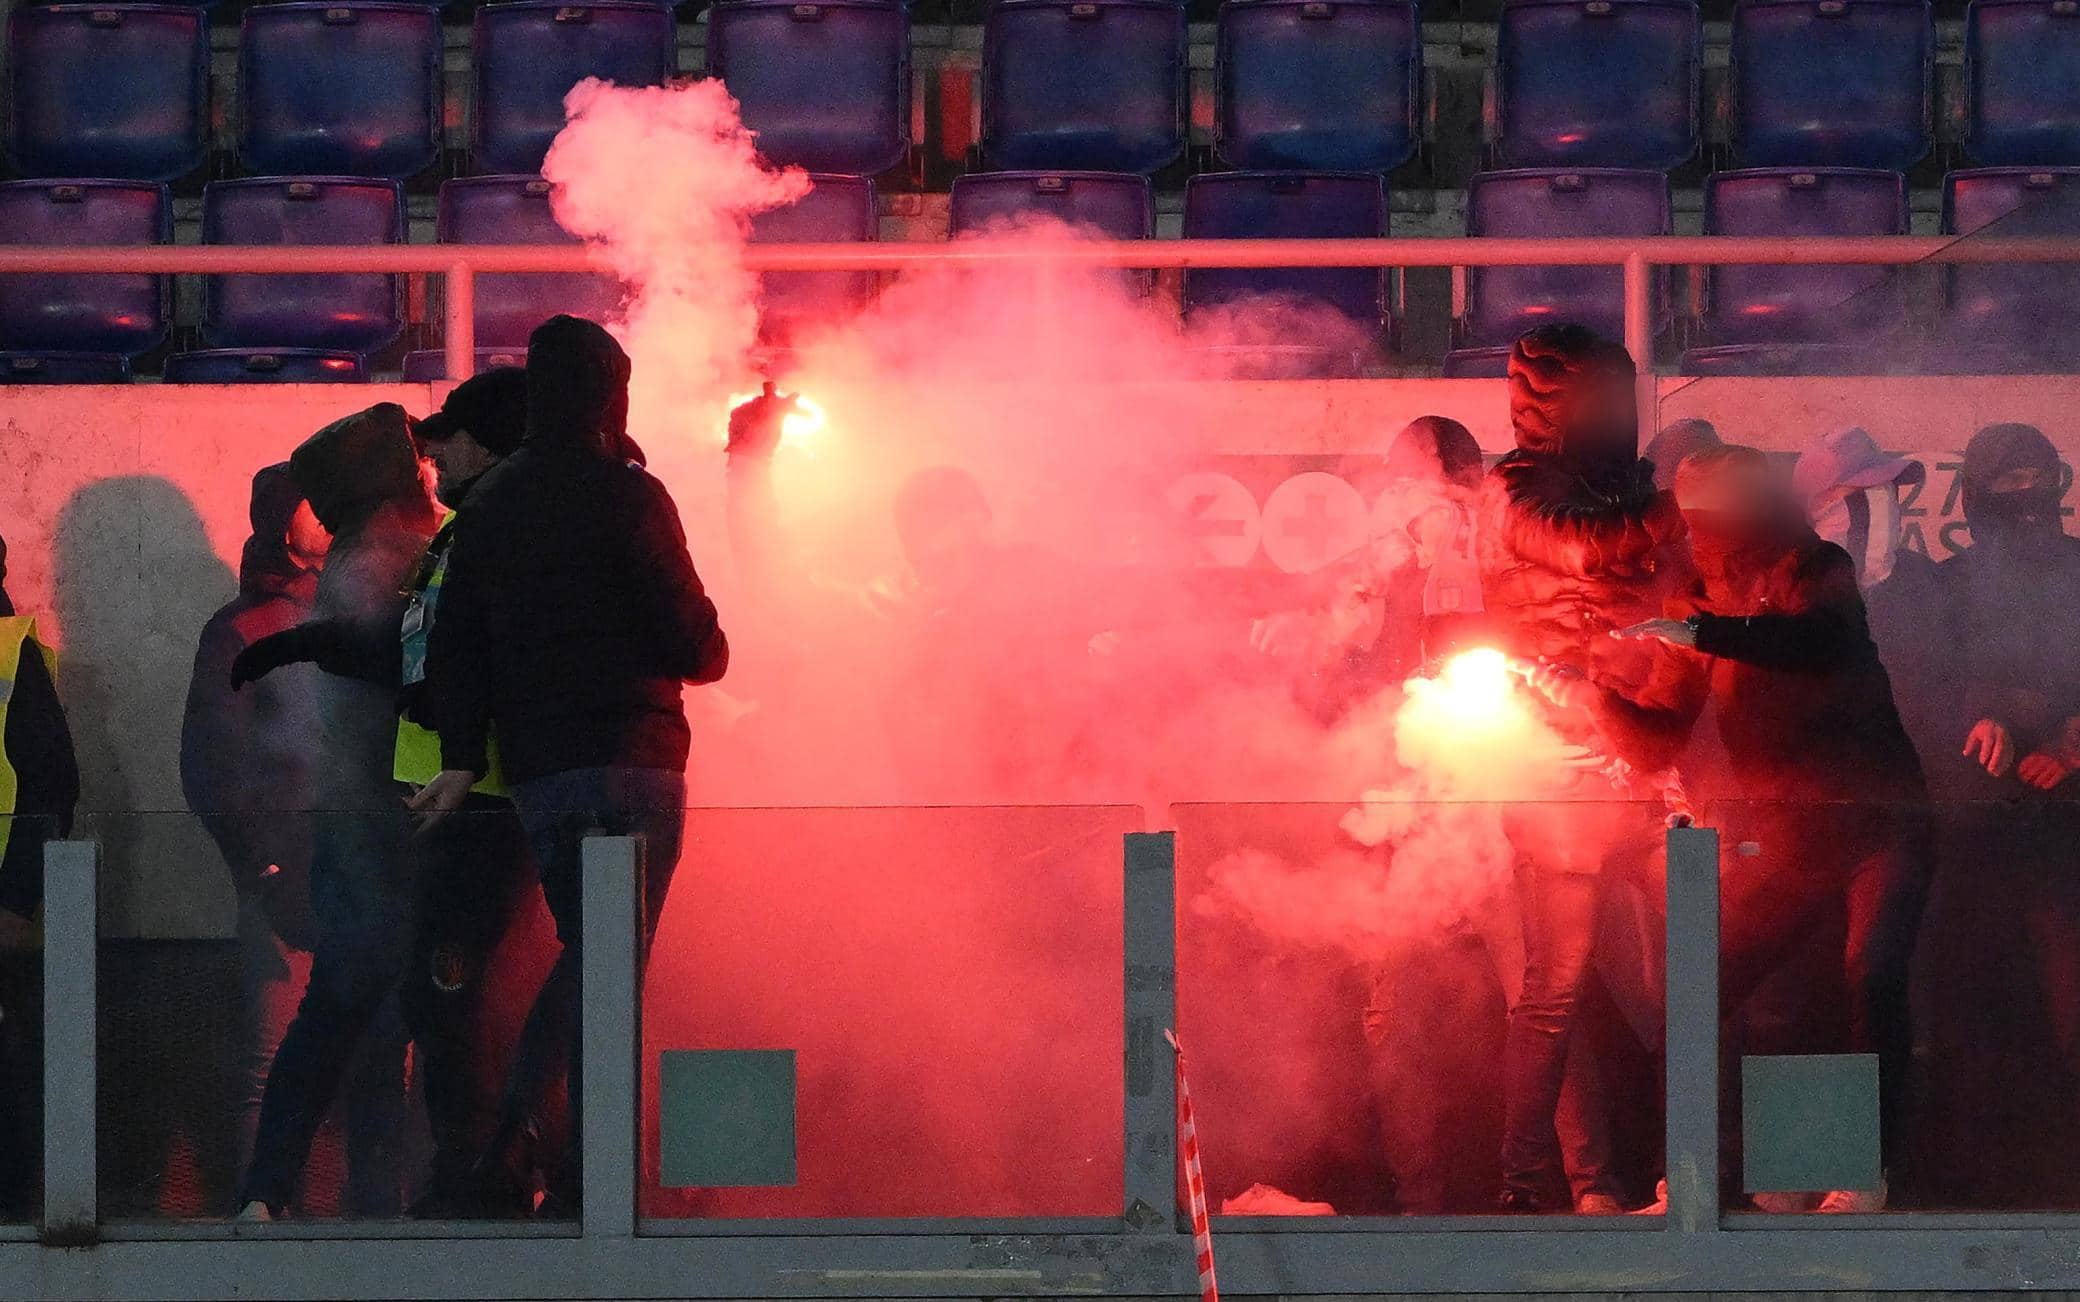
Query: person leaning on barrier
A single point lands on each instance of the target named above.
(471, 872)
(570, 622)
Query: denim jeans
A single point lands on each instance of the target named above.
(559, 812)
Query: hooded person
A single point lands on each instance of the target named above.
(1851, 492)
(1676, 442)
(571, 620)
(360, 475)
(1823, 779)
(1576, 542)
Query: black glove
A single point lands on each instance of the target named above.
(270, 653)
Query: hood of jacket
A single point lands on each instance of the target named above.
(358, 465)
(266, 568)
(1435, 449)
(1570, 399)
(577, 387)
(2022, 516)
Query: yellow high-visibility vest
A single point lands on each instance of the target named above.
(417, 758)
(16, 632)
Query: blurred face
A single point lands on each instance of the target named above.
(308, 541)
(1727, 498)
(1606, 403)
(456, 461)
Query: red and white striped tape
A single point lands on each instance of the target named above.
(1194, 1179)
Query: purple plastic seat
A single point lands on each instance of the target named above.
(1116, 205)
(825, 85)
(430, 364)
(264, 366)
(117, 90)
(46, 312)
(2022, 82)
(516, 210)
(354, 313)
(1318, 85)
(2014, 309)
(837, 210)
(1503, 302)
(1761, 304)
(339, 89)
(1596, 83)
(1083, 85)
(1287, 205)
(63, 368)
(527, 54)
(1832, 83)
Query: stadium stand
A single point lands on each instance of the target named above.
(354, 313)
(47, 313)
(527, 54)
(111, 91)
(1596, 83)
(335, 89)
(2022, 82)
(1318, 86)
(1084, 85)
(516, 210)
(826, 86)
(1831, 83)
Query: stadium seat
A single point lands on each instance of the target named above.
(1318, 85)
(355, 313)
(63, 368)
(1832, 83)
(515, 210)
(2022, 82)
(1083, 85)
(339, 89)
(1784, 359)
(1758, 304)
(126, 315)
(838, 210)
(1504, 302)
(1596, 83)
(826, 85)
(2013, 309)
(527, 54)
(1288, 205)
(1118, 206)
(429, 365)
(108, 90)
(264, 366)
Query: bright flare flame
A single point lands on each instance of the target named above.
(1472, 687)
(798, 428)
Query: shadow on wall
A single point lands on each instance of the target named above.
(135, 582)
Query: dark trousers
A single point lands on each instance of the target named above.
(473, 870)
(362, 898)
(559, 812)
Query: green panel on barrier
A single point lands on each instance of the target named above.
(726, 1118)
(1810, 1123)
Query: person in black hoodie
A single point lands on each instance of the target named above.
(1824, 779)
(570, 622)
(361, 477)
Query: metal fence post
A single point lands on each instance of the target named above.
(70, 927)
(459, 330)
(1151, 1010)
(1639, 336)
(611, 1034)
(1693, 1030)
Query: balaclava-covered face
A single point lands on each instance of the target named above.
(1571, 398)
(2012, 483)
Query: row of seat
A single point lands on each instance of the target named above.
(349, 316)
(355, 88)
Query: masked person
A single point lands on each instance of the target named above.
(1983, 650)
(1851, 492)
(361, 477)
(1675, 444)
(1824, 779)
(39, 790)
(471, 871)
(571, 619)
(1575, 542)
(247, 770)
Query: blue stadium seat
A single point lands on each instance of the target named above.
(126, 315)
(2013, 307)
(355, 313)
(838, 210)
(2022, 82)
(264, 366)
(527, 54)
(428, 365)
(1832, 83)
(63, 368)
(339, 89)
(1083, 85)
(515, 210)
(1801, 304)
(825, 85)
(1785, 359)
(1288, 205)
(1504, 302)
(1318, 85)
(1596, 83)
(108, 90)
(1112, 204)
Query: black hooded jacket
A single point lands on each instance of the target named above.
(572, 614)
(39, 747)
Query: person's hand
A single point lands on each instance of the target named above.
(442, 796)
(1675, 632)
(2043, 770)
(1288, 634)
(1560, 684)
(263, 657)
(1990, 745)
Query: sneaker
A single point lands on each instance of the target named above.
(1855, 1202)
(1659, 1207)
(1598, 1204)
(256, 1213)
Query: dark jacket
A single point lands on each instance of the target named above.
(361, 476)
(247, 756)
(1804, 707)
(571, 615)
(39, 747)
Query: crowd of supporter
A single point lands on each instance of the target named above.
(460, 642)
